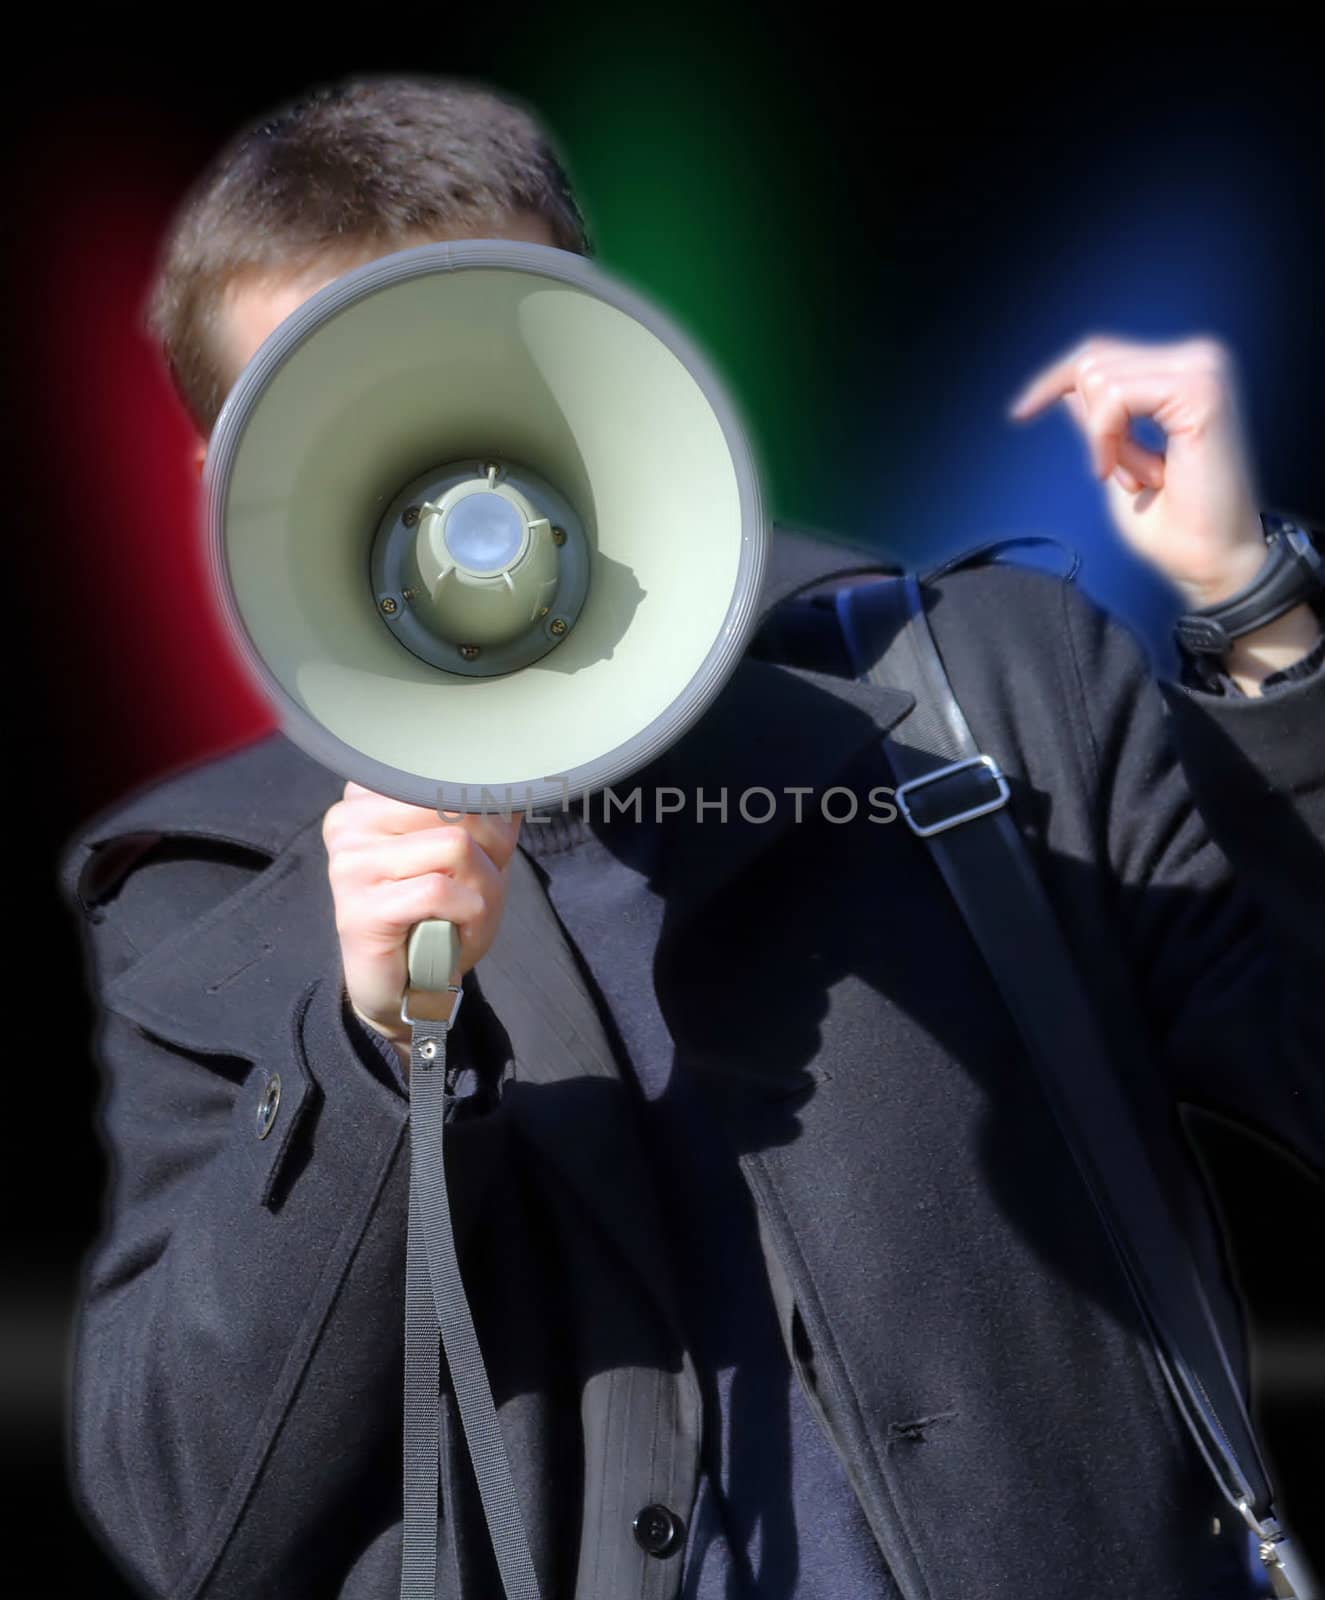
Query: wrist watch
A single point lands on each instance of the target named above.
(1293, 571)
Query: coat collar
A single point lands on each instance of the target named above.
(782, 729)
(774, 726)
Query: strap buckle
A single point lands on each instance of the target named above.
(451, 988)
(939, 824)
(1266, 1530)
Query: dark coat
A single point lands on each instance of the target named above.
(956, 1318)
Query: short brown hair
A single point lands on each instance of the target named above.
(355, 168)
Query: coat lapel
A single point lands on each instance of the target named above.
(567, 1095)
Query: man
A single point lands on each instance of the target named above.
(783, 1278)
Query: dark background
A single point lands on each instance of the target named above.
(877, 235)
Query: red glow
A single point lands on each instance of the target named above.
(145, 677)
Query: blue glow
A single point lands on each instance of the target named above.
(1191, 253)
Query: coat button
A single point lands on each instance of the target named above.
(271, 1098)
(658, 1531)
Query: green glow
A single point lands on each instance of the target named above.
(706, 184)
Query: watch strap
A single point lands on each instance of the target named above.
(1293, 571)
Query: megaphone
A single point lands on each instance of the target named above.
(486, 529)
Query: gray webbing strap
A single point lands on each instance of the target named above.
(435, 1303)
(954, 797)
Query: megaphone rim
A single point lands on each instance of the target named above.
(399, 266)
(577, 271)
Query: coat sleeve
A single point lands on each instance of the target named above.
(235, 1388)
(1211, 813)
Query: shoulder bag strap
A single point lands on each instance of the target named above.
(955, 798)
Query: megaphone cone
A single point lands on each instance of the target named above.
(485, 527)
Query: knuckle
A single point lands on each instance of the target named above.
(454, 842)
(1205, 358)
(1209, 352)
(340, 868)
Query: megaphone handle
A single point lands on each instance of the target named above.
(433, 954)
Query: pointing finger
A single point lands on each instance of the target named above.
(1050, 385)
(1063, 375)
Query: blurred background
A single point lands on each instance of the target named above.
(877, 236)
